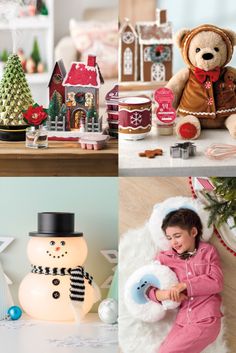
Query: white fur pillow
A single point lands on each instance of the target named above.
(136, 301)
(160, 210)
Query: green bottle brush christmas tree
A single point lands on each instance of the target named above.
(15, 95)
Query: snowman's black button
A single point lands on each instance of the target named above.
(55, 281)
(56, 295)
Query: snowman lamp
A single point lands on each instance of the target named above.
(58, 288)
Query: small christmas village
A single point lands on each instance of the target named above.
(74, 98)
(73, 102)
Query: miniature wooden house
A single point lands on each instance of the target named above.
(82, 84)
(128, 53)
(56, 81)
(155, 41)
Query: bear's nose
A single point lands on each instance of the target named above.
(208, 56)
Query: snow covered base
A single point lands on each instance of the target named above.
(138, 248)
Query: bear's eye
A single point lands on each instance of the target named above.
(216, 49)
(198, 50)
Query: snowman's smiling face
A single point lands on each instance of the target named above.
(57, 251)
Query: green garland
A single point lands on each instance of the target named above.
(222, 202)
(160, 53)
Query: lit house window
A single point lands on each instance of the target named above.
(147, 56)
(158, 72)
(128, 62)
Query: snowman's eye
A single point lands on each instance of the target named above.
(63, 243)
(52, 242)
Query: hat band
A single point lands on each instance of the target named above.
(55, 235)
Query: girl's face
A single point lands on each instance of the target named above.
(181, 240)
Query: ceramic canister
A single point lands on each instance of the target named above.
(135, 114)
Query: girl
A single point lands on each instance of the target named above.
(198, 270)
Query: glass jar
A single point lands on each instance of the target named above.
(165, 129)
(36, 137)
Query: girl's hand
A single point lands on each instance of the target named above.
(175, 292)
(166, 295)
(182, 297)
(180, 287)
(162, 295)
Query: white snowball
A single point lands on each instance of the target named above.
(108, 311)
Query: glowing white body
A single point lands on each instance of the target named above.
(42, 299)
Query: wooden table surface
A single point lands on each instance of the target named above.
(62, 158)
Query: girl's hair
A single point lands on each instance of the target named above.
(185, 219)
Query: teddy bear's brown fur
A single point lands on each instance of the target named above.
(205, 90)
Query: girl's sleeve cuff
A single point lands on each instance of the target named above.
(151, 294)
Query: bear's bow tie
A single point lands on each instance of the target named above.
(202, 75)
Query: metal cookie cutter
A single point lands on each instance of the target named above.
(183, 150)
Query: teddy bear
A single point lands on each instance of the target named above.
(205, 91)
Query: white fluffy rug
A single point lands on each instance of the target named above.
(137, 248)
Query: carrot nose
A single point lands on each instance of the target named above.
(58, 248)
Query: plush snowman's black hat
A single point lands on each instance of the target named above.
(56, 224)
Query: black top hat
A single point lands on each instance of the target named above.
(56, 224)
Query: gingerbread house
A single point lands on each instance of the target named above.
(149, 48)
(82, 84)
(56, 81)
(155, 40)
(128, 53)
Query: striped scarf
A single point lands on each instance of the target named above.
(77, 276)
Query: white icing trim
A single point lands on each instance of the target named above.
(134, 100)
(226, 110)
(135, 110)
(135, 128)
(152, 23)
(119, 60)
(196, 113)
(126, 24)
(120, 52)
(79, 85)
(136, 59)
(141, 63)
(205, 113)
(156, 41)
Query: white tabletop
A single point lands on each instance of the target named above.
(130, 164)
(27, 336)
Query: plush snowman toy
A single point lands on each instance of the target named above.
(58, 288)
